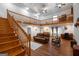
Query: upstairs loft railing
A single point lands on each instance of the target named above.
(32, 21)
(23, 37)
(61, 20)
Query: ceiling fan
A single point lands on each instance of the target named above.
(59, 5)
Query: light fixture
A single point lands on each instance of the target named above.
(44, 10)
(55, 18)
(59, 5)
(27, 8)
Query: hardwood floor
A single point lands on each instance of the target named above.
(51, 50)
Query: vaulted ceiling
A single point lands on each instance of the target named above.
(42, 10)
(38, 11)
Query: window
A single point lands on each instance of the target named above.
(55, 18)
(54, 30)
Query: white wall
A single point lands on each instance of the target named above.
(9, 6)
(76, 15)
(34, 30)
(60, 30)
(70, 29)
(4, 7)
(47, 29)
(68, 11)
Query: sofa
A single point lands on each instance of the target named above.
(73, 43)
(67, 36)
(42, 37)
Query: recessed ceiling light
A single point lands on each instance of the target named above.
(27, 8)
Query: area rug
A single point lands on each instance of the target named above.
(35, 45)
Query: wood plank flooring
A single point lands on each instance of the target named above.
(51, 50)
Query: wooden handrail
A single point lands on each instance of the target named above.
(23, 15)
(28, 35)
(19, 26)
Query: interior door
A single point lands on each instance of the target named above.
(29, 30)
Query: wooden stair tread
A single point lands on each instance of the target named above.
(7, 38)
(4, 25)
(7, 29)
(19, 52)
(9, 45)
(3, 19)
(10, 48)
(4, 28)
(6, 34)
(8, 41)
(16, 51)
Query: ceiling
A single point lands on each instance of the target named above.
(42, 10)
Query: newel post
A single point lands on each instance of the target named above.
(29, 44)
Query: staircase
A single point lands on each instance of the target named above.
(9, 42)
